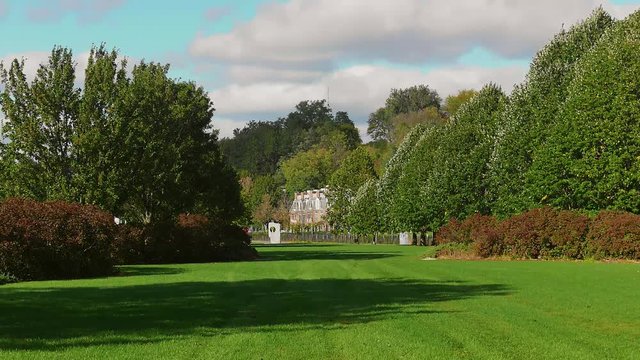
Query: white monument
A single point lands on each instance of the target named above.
(404, 239)
(274, 233)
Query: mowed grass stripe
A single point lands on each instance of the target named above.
(331, 302)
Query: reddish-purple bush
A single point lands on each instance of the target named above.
(467, 231)
(537, 233)
(54, 240)
(524, 235)
(488, 242)
(614, 235)
(565, 235)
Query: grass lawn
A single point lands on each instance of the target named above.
(331, 302)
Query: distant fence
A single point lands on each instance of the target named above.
(289, 237)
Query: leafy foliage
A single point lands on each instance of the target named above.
(592, 158)
(308, 169)
(54, 240)
(457, 178)
(261, 146)
(139, 146)
(364, 214)
(356, 169)
(533, 110)
(454, 102)
(400, 101)
(614, 234)
(395, 171)
(192, 238)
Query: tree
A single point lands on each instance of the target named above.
(400, 101)
(261, 146)
(458, 181)
(308, 169)
(533, 108)
(592, 158)
(401, 124)
(453, 102)
(415, 98)
(42, 116)
(355, 171)
(379, 125)
(140, 146)
(387, 188)
(364, 212)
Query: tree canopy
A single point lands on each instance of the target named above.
(138, 145)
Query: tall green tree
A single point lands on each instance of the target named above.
(458, 180)
(356, 169)
(41, 117)
(309, 169)
(140, 146)
(387, 194)
(533, 110)
(592, 158)
(364, 213)
(400, 101)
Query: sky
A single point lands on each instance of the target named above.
(259, 58)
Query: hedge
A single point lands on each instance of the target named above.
(54, 240)
(547, 233)
(191, 239)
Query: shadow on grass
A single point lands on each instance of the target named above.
(56, 318)
(316, 255)
(144, 270)
(288, 252)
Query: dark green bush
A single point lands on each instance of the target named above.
(191, 239)
(54, 240)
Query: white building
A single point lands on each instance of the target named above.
(309, 208)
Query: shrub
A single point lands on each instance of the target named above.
(525, 235)
(488, 242)
(565, 235)
(54, 240)
(467, 231)
(191, 239)
(614, 235)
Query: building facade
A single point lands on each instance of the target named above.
(309, 208)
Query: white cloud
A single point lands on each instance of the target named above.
(32, 61)
(405, 31)
(246, 74)
(358, 89)
(226, 126)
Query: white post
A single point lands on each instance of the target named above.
(404, 239)
(274, 233)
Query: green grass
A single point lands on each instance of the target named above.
(331, 302)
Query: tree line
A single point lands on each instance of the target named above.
(566, 137)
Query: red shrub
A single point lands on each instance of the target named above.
(452, 232)
(565, 235)
(525, 235)
(614, 235)
(488, 242)
(467, 231)
(54, 240)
